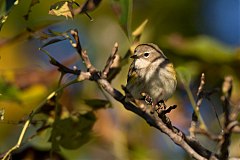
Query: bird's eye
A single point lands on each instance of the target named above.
(146, 54)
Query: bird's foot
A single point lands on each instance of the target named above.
(149, 101)
(146, 98)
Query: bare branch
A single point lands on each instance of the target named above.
(195, 129)
(194, 123)
(159, 121)
(83, 54)
(87, 62)
(225, 141)
(211, 136)
(62, 68)
(110, 61)
(189, 145)
(77, 43)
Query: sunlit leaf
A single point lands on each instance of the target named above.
(139, 30)
(62, 8)
(34, 92)
(65, 8)
(72, 132)
(136, 40)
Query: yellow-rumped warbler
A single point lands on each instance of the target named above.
(151, 73)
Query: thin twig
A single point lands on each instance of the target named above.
(110, 61)
(77, 43)
(63, 69)
(215, 112)
(196, 109)
(225, 142)
(20, 139)
(211, 136)
(82, 53)
(87, 62)
(194, 123)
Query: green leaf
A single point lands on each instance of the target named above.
(9, 91)
(137, 33)
(200, 47)
(3, 7)
(72, 132)
(123, 10)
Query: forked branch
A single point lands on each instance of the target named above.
(191, 146)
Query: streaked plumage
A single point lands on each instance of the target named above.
(151, 73)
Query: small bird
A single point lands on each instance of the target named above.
(151, 73)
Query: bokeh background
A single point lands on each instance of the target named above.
(201, 36)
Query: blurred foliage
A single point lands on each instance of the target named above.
(72, 132)
(27, 78)
(123, 10)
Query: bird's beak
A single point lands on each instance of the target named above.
(134, 56)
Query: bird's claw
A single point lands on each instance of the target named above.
(146, 98)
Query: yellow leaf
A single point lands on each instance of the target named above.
(63, 8)
(140, 29)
